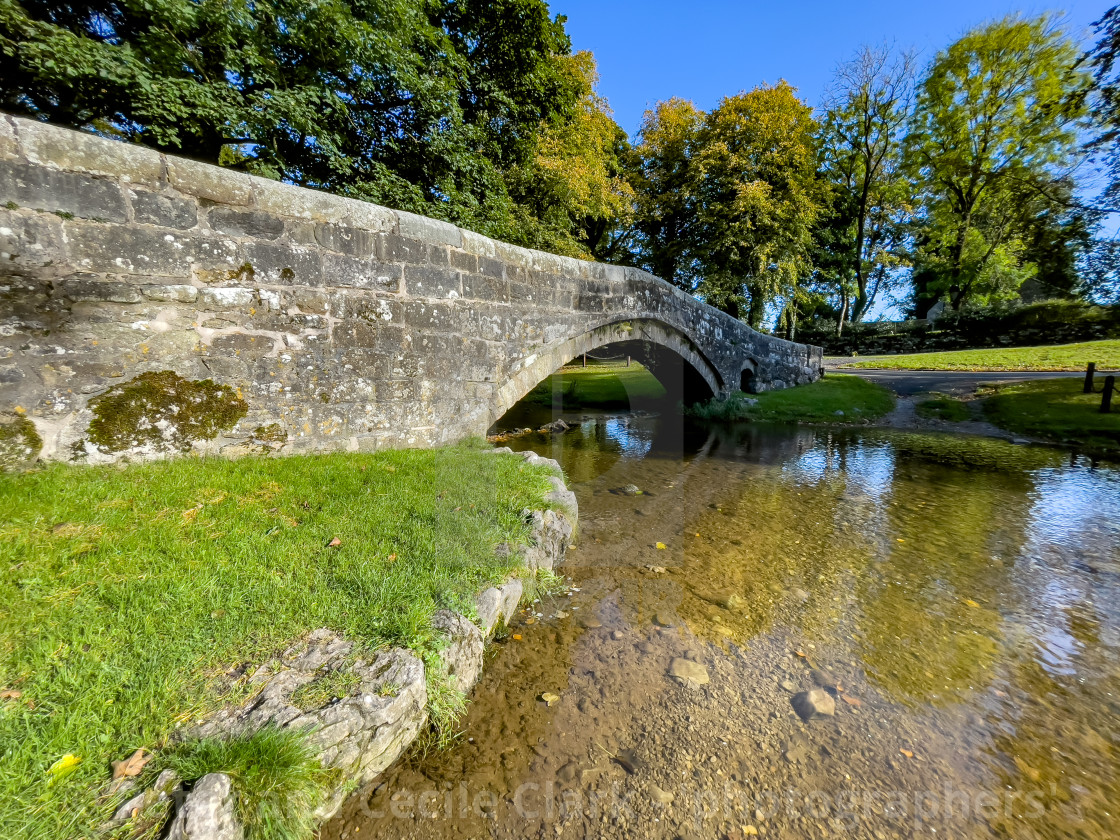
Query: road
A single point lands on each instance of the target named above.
(907, 383)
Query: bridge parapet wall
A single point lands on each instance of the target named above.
(324, 322)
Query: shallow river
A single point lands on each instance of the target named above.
(958, 598)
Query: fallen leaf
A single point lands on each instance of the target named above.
(10, 694)
(335, 543)
(131, 766)
(970, 602)
(907, 753)
(550, 699)
(661, 545)
(517, 637)
(851, 701)
(530, 621)
(63, 767)
(800, 653)
(392, 557)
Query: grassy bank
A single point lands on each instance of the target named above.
(943, 408)
(1054, 357)
(129, 594)
(835, 398)
(1056, 410)
(599, 385)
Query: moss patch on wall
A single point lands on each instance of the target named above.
(273, 433)
(19, 441)
(163, 411)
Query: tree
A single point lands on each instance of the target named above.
(758, 198)
(424, 105)
(996, 123)
(575, 184)
(861, 157)
(1106, 85)
(665, 197)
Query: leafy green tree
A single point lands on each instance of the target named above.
(995, 124)
(424, 105)
(758, 197)
(862, 158)
(576, 186)
(665, 191)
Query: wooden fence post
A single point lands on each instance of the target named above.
(1106, 397)
(1089, 371)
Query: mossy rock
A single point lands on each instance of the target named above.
(163, 411)
(20, 443)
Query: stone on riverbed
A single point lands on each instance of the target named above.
(689, 672)
(815, 703)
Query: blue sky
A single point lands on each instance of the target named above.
(705, 49)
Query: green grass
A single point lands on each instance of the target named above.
(278, 782)
(599, 385)
(134, 598)
(1056, 410)
(1054, 357)
(818, 402)
(943, 408)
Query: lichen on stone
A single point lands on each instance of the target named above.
(162, 411)
(273, 433)
(19, 441)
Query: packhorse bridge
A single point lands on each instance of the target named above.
(151, 304)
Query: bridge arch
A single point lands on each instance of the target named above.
(531, 370)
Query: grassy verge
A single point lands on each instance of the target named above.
(1055, 409)
(834, 398)
(599, 385)
(943, 408)
(1055, 357)
(131, 595)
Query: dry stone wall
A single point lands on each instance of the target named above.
(151, 304)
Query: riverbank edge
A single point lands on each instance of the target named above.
(357, 737)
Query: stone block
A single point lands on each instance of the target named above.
(341, 271)
(240, 343)
(64, 193)
(432, 282)
(428, 231)
(203, 180)
(163, 209)
(9, 143)
(93, 288)
(394, 248)
(246, 223)
(62, 148)
(219, 297)
(352, 241)
(479, 245)
(282, 265)
(175, 293)
(427, 316)
(464, 261)
(483, 287)
(301, 203)
(117, 249)
(29, 239)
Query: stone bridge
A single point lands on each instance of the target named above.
(150, 304)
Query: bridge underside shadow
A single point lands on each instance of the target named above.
(670, 356)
